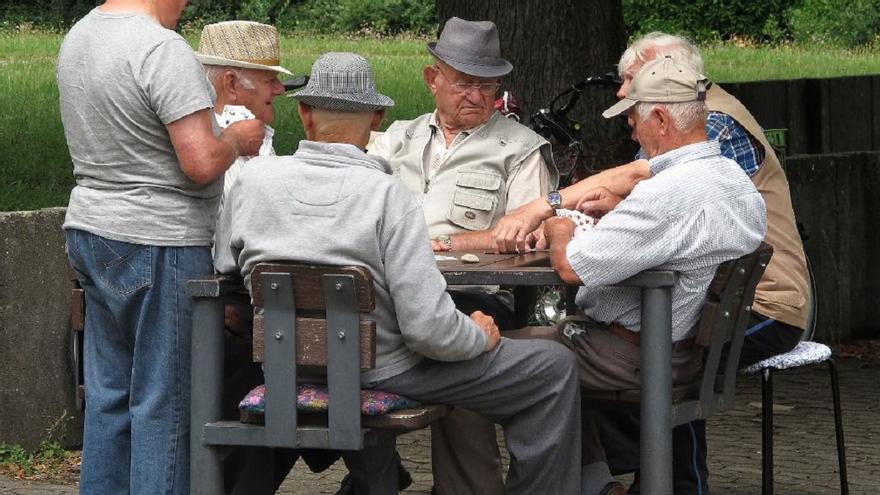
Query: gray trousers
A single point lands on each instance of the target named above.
(530, 388)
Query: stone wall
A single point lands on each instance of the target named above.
(36, 375)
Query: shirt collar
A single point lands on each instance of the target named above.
(695, 151)
(349, 153)
(434, 124)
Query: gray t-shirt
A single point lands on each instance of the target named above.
(122, 78)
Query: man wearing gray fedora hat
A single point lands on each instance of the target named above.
(467, 166)
(343, 207)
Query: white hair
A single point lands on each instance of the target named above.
(215, 71)
(685, 115)
(656, 44)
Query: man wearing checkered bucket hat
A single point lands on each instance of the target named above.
(342, 207)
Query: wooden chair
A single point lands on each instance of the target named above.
(310, 325)
(720, 334)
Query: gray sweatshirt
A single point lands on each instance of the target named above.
(332, 204)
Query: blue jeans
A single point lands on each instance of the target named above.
(136, 362)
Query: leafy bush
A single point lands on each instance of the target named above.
(842, 23)
(710, 20)
(385, 17)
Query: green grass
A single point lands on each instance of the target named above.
(36, 168)
(731, 63)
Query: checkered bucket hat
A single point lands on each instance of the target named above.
(343, 81)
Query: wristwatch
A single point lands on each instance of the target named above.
(445, 240)
(554, 199)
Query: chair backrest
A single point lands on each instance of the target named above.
(722, 326)
(311, 315)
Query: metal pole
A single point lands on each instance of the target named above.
(206, 463)
(656, 406)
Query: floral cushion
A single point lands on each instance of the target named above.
(314, 398)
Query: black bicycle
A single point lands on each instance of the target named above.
(564, 133)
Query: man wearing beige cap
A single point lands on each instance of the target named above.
(696, 211)
(343, 207)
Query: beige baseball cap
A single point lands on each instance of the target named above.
(661, 80)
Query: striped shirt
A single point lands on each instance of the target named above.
(696, 211)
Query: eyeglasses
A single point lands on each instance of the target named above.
(463, 88)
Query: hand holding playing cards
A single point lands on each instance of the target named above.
(248, 135)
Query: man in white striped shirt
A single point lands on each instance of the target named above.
(696, 211)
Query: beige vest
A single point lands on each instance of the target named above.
(784, 291)
(469, 191)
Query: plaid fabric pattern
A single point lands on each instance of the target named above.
(343, 81)
(736, 143)
(697, 211)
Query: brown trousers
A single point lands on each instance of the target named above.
(464, 450)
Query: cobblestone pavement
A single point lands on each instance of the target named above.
(804, 454)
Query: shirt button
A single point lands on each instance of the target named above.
(470, 215)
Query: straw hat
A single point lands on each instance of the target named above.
(244, 44)
(343, 81)
(661, 80)
(471, 47)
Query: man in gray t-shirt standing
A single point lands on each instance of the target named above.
(136, 109)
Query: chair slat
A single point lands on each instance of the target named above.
(308, 291)
(311, 342)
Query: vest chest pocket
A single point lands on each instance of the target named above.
(475, 199)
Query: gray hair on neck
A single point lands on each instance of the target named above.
(657, 44)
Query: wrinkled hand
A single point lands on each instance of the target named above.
(511, 230)
(248, 136)
(438, 246)
(558, 228)
(536, 240)
(487, 324)
(597, 202)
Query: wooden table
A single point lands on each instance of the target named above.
(656, 343)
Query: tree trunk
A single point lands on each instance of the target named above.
(552, 45)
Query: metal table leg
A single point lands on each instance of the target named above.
(206, 463)
(656, 404)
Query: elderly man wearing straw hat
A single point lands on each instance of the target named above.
(136, 110)
(343, 207)
(241, 59)
(467, 166)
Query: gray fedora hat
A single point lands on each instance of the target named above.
(343, 81)
(471, 47)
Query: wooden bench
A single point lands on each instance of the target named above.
(310, 325)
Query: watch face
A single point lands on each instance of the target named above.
(555, 199)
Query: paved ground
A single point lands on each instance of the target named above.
(806, 462)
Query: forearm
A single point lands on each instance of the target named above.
(619, 180)
(481, 240)
(560, 264)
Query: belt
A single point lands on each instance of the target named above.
(635, 338)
